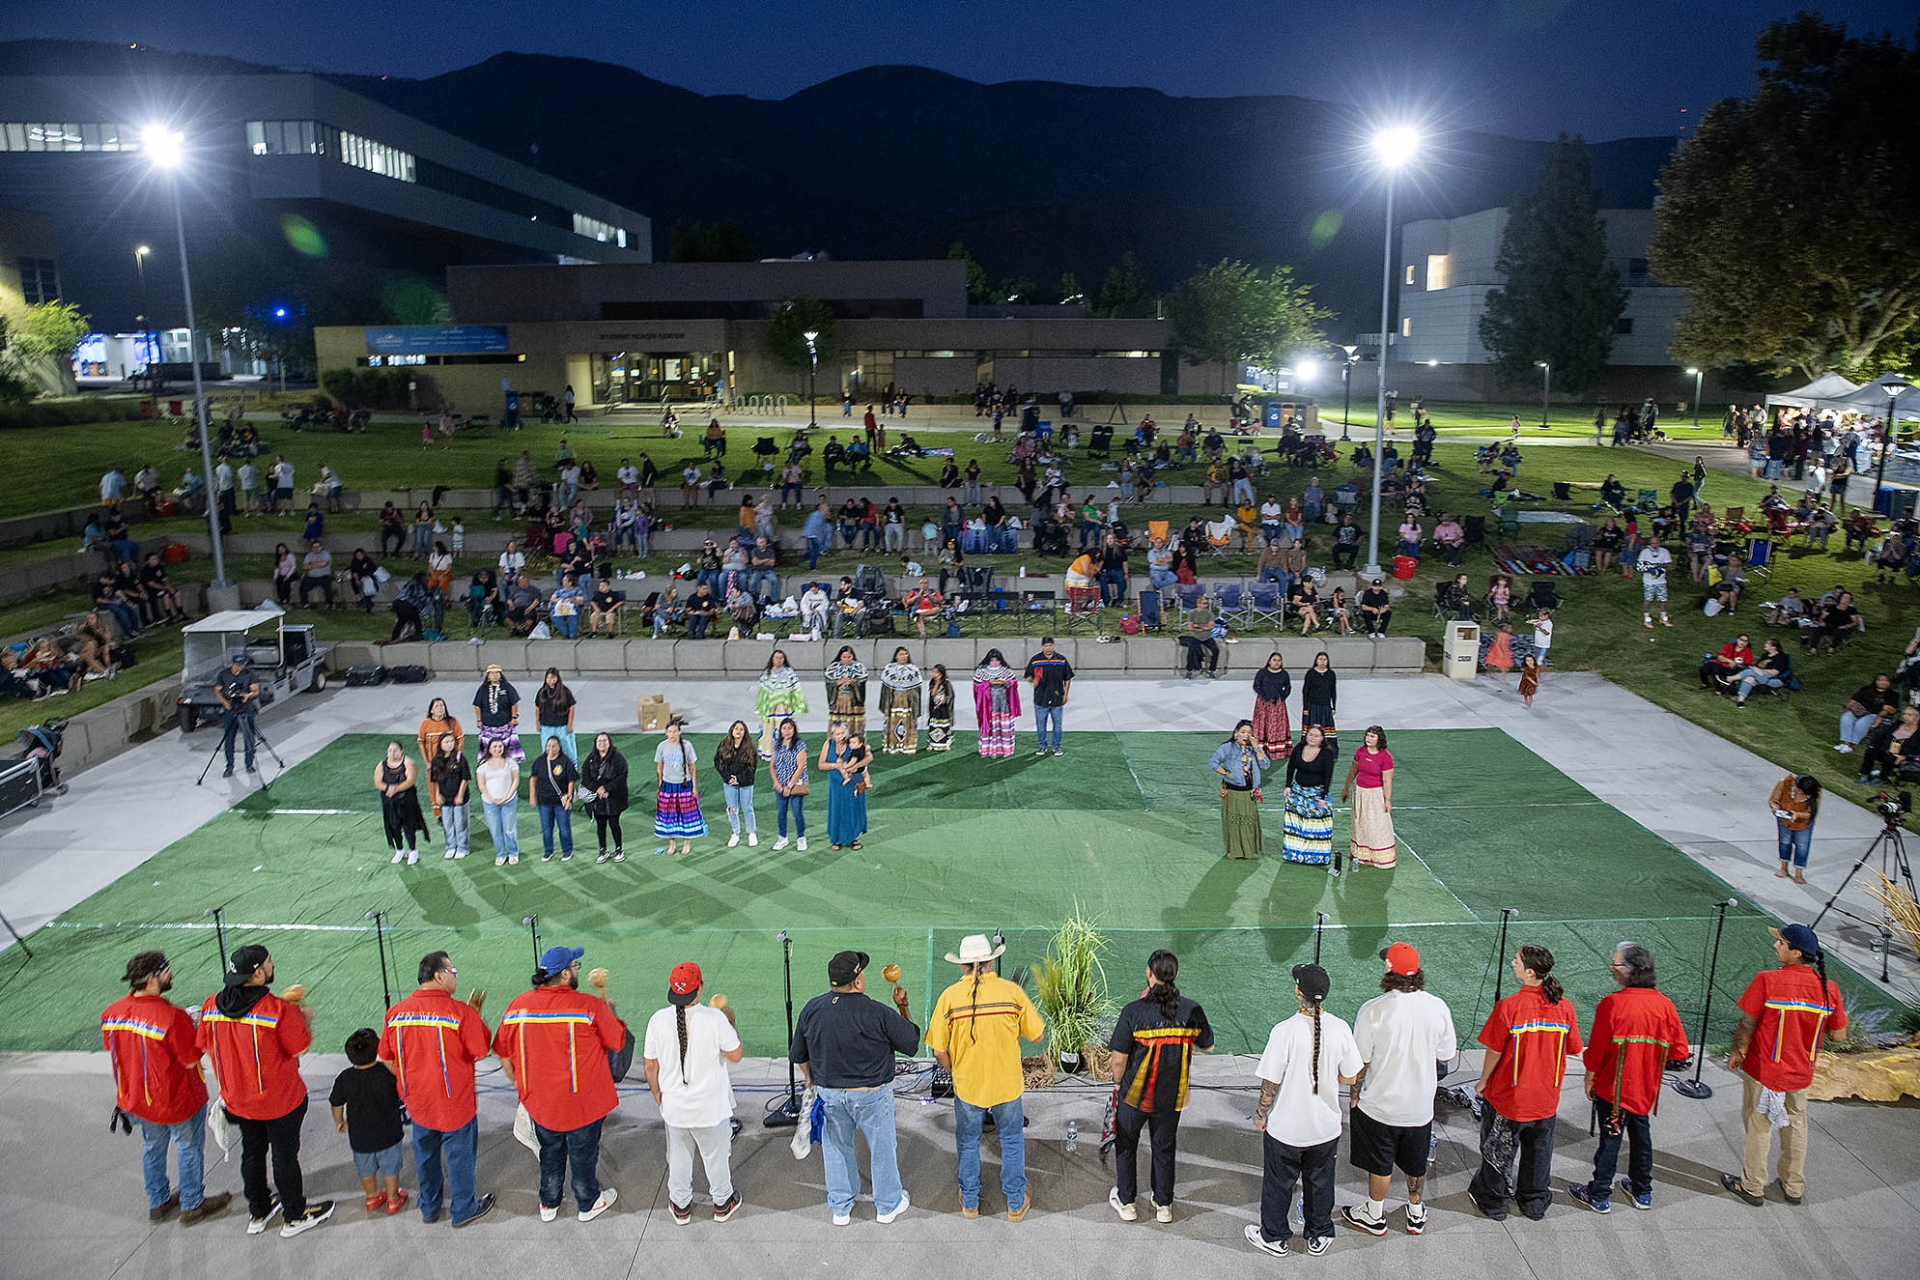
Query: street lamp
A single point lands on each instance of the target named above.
(1893, 386)
(1346, 388)
(813, 370)
(1699, 376)
(1393, 148)
(166, 152)
(1546, 389)
(140, 252)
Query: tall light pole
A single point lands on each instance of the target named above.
(140, 252)
(1546, 389)
(166, 151)
(1346, 388)
(1393, 148)
(1893, 386)
(1699, 377)
(813, 369)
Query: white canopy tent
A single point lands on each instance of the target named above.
(1871, 399)
(1825, 392)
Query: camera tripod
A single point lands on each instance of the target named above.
(259, 740)
(1893, 850)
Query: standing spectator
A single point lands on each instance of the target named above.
(1653, 562)
(603, 780)
(1786, 1013)
(113, 488)
(156, 1073)
(1795, 803)
(844, 1044)
(1528, 1036)
(1052, 678)
(282, 475)
(1636, 1032)
(686, 1051)
(1307, 1058)
(1115, 578)
(498, 778)
(1403, 1035)
(736, 759)
(255, 1039)
(1152, 1059)
(550, 787)
(366, 1107)
(975, 1032)
(433, 1040)
(553, 1044)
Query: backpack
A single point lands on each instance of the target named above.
(1130, 625)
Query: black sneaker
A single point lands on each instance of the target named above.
(721, 1212)
(257, 1225)
(486, 1204)
(227, 772)
(1783, 1192)
(682, 1213)
(1731, 1181)
(317, 1213)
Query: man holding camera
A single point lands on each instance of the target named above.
(238, 689)
(432, 1041)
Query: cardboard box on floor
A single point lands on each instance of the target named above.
(654, 713)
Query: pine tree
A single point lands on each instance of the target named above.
(1560, 299)
(1127, 293)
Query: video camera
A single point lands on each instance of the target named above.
(1893, 808)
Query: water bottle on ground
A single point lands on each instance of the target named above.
(1073, 1136)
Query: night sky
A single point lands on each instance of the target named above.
(1529, 68)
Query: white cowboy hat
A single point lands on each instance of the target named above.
(975, 949)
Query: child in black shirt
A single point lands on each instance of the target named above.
(366, 1107)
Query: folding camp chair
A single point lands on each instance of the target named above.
(1759, 560)
(1649, 500)
(1541, 594)
(1220, 537)
(1083, 609)
(1266, 602)
(1475, 527)
(1733, 516)
(1509, 521)
(1037, 604)
(1157, 529)
(1150, 616)
(1230, 601)
(1189, 596)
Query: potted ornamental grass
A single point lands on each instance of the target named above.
(1069, 988)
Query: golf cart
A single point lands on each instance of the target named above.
(286, 658)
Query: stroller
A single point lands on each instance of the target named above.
(42, 743)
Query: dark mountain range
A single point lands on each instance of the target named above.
(1036, 177)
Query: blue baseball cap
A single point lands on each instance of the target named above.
(554, 959)
(1800, 938)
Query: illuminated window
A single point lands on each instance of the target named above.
(65, 137)
(594, 229)
(1406, 326)
(1410, 270)
(1436, 271)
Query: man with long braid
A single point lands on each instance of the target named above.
(1528, 1037)
(1636, 1031)
(975, 1033)
(1152, 1056)
(1784, 1015)
(1308, 1057)
(686, 1051)
(432, 1040)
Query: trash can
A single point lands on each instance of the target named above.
(1462, 650)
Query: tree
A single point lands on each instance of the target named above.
(1127, 293)
(41, 347)
(1229, 313)
(692, 241)
(1790, 215)
(1560, 299)
(977, 287)
(1068, 290)
(787, 330)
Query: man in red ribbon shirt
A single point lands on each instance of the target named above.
(255, 1039)
(553, 1043)
(1636, 1031)
(156, 1080)
(432, 1041)
(1528, 1037)
(1784, 1015)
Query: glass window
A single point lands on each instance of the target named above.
(1410, 270)
(39, 280)
(90, 137)
(257, 137)
(1406, 326)
(36, 137)
(1436, 271)
(306, 137)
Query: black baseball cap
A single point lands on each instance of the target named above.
(242, 963)
(846, 966)
(1312, 981)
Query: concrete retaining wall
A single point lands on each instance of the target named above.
(101, 733)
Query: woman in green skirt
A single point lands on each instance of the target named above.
(1239, 762)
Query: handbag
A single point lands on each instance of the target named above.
(800, 788)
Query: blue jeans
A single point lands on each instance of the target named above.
(191, 1134)
(460, 1147)
(797, 806)
(568, 747)
(1113, 586)
(814, 547)
(871, 1114)
(566, 625)
(1161, 578)
(1271, 574)
(454, 822)
(551, 816)
(1009, 1122)
(1853, 728)
(579, 1148)
(1042, 718)
(1795, 845)
(1606, 1158)
(503, 824)
(739, 806)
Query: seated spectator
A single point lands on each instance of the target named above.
(16, 683)
(1455, 598)
(814, 603)
(603, 609)
(702, 608)
(921, 602)
(564, 607)
(523, 607)
(1410, 537)
(744, 609)
(95, 647)
(1770, 671)
(108, 599)
(1376, 609)
(1871, 706)
(410, 606)
(1820, 526)
(1272, 566)
(1839, 622)
(1199, 642)
(848, 609)
(482, 597)
(1892, 750)
(1789, 611)
(1735, 655)
(1304, 601)
(1339, 613)
(363, 575)
(1451, 538)
(1728, 583)
(762, 579)
(666, 611)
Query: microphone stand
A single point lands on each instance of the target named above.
(1500, 971)
(787, 1114)
(380, 939)
(219, 932)
(533, 923)
(1320, 923)
(1696, 1088)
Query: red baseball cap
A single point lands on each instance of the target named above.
(1400, 957)
(683, 984)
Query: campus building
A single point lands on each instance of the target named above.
(282, 171)
(1446, 270)
(632, 334)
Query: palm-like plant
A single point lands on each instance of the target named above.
(1070, 987)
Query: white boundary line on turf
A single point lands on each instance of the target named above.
(1437, 880)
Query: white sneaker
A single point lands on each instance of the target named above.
(801, 844)
(461, 854)
(753, 839)
(898, 1209)
(548, 1215)
(779, 844)
(733, 840)
(607, 1196)
(842, 1219)
(1126, 1211)
(399, 856)
(449, 854)
(1844, 748)
(413, 857)
(1163, 1213)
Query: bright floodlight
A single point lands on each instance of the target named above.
(1692, 371)
(1396, 146)
(812, 336)
(164, 148)
(1308, 370)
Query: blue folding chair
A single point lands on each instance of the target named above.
(1150, 619)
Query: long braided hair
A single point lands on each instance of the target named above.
(1165, 967)
(680, 1025)
(1540, 960)
(1309, 1004)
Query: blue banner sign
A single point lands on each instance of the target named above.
(428, 339)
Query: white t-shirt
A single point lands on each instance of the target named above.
(1302, 1117)
(1653, 564)
(702, 1094)
(1402, 1036)
(1543, 635)
(499, 782)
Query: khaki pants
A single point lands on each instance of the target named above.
(1793, 1141)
